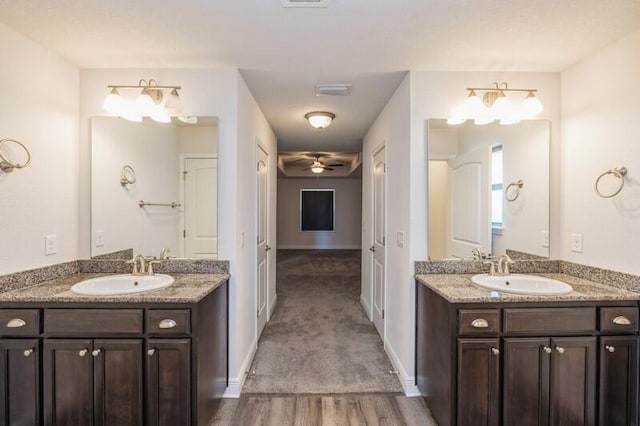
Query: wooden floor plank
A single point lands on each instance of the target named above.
(354, 412)
(308, 411)
(282, 411)
(225, 413)
(415, 411)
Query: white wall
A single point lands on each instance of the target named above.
(348, 214)
(253, 129)
(601, 129)
(438, 209)
(38, 107)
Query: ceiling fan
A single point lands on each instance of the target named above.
(318, 166)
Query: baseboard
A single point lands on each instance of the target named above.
(273, 306)
(408, 382)
(365, 305)
(235, 383)
(316, 247)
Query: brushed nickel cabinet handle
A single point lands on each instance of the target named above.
(559, 349)
(28, 352)
(151, 352)
(610, 348)
(480, 323)
(167, 323)
(621, 320)
(16, 323)
(495, 351)
(546, 349)
(96, 352)
(83, 352)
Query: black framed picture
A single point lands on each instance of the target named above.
(317, 210)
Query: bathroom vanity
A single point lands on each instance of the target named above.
(491, 358)
(157, 358)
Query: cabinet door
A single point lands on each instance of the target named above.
(526, 381)
(168, 382)
(68, 382)
(478, 382)
(573, 381)
(618, 381)
(117, 366)
(19, 382)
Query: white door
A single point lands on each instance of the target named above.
(201, 208)
(263, 237)
(469, 204)
(379, 239)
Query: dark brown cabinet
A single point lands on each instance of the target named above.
(168, 382)
(93, 382)
(20, 379)
(618, 380)
(478, 390)
(527, 364)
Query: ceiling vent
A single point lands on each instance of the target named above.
(304, 3)
(333, 89)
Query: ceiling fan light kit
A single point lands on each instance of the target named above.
(320, 119)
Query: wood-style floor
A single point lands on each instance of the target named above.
(320, 410)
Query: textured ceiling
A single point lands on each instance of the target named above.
(283, 52)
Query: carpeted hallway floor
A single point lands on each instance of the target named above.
(319, 340)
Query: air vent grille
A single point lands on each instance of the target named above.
(333, 89)
(304, 3)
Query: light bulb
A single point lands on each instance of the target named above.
(472, 105)
(531, 105)
(485, 117)
(113, 101)
(160, 115)
(129, 111)
(145, 104)
(173, 103)
(502, 106)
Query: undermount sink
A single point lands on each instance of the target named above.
(111, 285)
(522, 284)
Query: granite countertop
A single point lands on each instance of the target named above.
(187, 288)
(458, 288)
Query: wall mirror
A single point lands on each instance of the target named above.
(154, 187)
(488, 189)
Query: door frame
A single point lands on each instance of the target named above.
(181, 195)
(374, 151)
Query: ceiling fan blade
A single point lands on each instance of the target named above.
(335, 165)
(327, 168)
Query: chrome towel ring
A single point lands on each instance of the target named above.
(127, 175)
(517, 186)
(7, 165)
(619, 172)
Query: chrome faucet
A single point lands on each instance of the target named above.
(503, 264)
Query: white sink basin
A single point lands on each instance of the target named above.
(122, 284)
(522, 284)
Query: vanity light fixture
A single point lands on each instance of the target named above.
(150, 101)
(320, 119)
(495, 104)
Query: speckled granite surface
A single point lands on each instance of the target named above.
(170, 266)
(458, 288)
(605, 276)
(187, 288)
(476, 267)
(520, 255)
(121, 254)
(32, 277)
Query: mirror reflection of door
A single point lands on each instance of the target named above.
(379, 238)
(263, 237)
(200, 208)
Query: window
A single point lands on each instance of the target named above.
(317, 209)
(496, 186)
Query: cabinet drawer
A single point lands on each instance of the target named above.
(619, 319)
(19, 322)
(478, 321)
(542, 321)
(168, 321)
(93, 322)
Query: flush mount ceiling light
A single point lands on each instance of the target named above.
(320, 119)
(147, 99)
(495, 104)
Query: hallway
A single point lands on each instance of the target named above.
(320, 360)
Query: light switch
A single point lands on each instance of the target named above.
(576, 243)
(545, 239)
(99, 238)
(400, 238)
(50, 245)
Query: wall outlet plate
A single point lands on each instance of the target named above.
(99, 238)
(400, 238)
(545, 239)
(50, 245)
(576, 243)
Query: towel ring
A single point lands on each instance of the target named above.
(8, 166)
(517, 185)
(620, 172)
(127, 175)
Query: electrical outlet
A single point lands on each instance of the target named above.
(50, 245)
(400, 239)
(99, 238)
(545, 239)
(576, 243)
